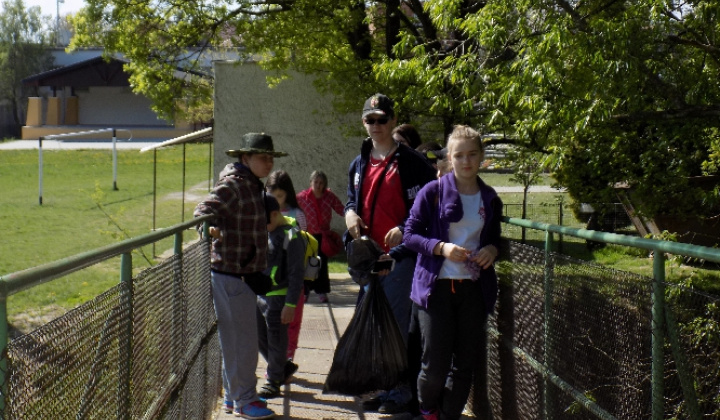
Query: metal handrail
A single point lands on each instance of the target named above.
(15, 282)
(659, 315)
(21, 280)
(696, 251)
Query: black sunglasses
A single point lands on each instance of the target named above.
(371, 121)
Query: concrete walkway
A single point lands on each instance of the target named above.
(322, 326)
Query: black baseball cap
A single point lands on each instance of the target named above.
(378, 104)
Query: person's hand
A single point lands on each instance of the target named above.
(287, 314)
(215, 233)
(454, 252)
(393, 237)
(354, 224)
(384, 257)
(486, 256)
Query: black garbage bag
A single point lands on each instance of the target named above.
(371, 354)
(361, 255)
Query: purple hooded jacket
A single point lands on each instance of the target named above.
(436, 206)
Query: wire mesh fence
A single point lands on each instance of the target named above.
(605, 217)
(590, 326)
(149, 351)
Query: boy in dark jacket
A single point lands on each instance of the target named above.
(276, 309)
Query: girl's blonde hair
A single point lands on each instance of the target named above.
(464, 132)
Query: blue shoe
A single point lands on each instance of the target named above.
(255, 410)
(229, 406)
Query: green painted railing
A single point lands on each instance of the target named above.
(22, 280)
(659, 315)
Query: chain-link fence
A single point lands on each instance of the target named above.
(575, 329)
(605, 217)
(147, 351)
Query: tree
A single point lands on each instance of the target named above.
(614, 91)
(23, 52)
(527, 170)
(611, 90)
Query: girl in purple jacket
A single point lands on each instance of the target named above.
(454, 226)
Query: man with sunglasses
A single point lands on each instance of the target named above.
(382, 184)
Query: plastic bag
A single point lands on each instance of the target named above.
(362, 253)
(371, 354)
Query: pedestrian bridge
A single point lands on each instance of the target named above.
(569, 339)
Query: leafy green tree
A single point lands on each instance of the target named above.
(527, 171)
(612, 91)
(24, 38)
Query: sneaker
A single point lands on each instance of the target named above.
(271, 389)
(323, 298)
(290, 369)
(427, 415)
(374, 403)
(229, 406)
(255, 410)
(392, 407)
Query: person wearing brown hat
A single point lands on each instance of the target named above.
(238, 256)
(382, 184)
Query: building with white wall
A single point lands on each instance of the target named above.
(300, 120)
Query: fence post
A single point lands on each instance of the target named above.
(4, 332)
(687, 381)
(178, 320)
(658, 337)
(548, 325)
(560, 223)
(114, 159)
(126, 346)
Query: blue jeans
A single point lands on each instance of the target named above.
(235, 309)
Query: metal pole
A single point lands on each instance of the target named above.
(178, 332)
(114, 157)
(154, 194)
(4, 331)
(40, 170)
(182, 212)
(126, 344)
(658, 336)
(548, 324)
(57, 23)
(560, 223)
(210, 165)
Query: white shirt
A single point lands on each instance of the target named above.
(465, 233)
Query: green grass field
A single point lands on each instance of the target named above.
(81, 211)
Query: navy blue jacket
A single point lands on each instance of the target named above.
(414, 169)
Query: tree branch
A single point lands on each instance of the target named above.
(696, 112)
(705, 47)
(567, 7)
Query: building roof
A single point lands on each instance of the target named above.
(97, 71)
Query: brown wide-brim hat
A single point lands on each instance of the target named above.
(255, 143)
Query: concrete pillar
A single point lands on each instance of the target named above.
(54, 113)
(34, 111)
(72, 110)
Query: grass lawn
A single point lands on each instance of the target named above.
(81, 211)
